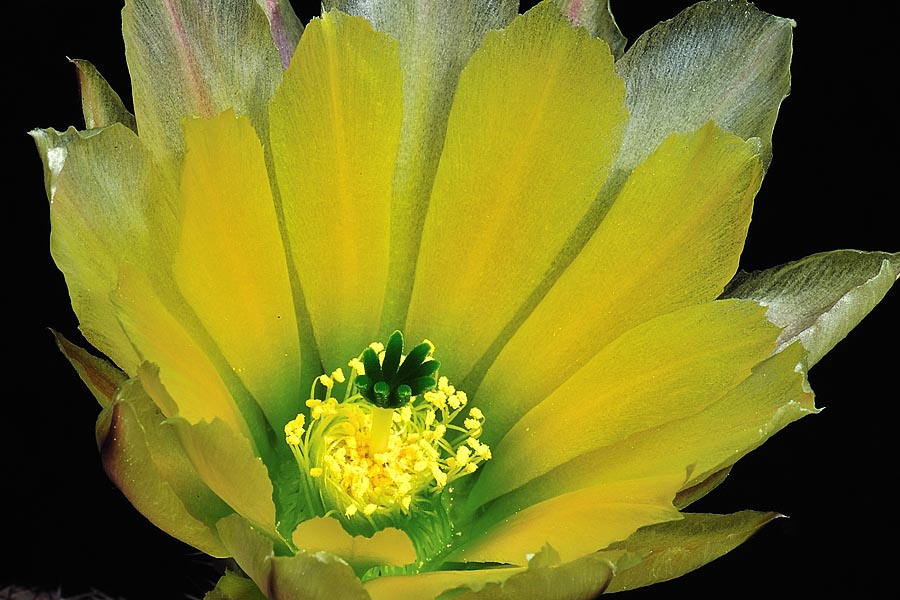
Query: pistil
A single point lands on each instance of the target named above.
(382, 422)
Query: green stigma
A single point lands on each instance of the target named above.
(391, 380)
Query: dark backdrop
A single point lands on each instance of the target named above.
(831, 185)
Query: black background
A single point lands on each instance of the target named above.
(831, 185)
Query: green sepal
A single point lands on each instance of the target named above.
(547, 579)
(197, 59)
(100, 376)
(100, 104)
(286, 28)
(145, 461)
(52, 148)
(596, 17)
(302, 575)
(232, 586)
(821, 298)
(227, 463)
(109, 207)
(688, 496)
(721, 60)
(669, 550)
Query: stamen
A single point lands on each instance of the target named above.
(389, 450)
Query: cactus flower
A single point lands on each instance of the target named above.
(432, 299)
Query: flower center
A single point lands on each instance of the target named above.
(388, 451)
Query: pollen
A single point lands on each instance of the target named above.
(391, 447)
(293, 431)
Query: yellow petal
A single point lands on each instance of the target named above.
(536, 119)
(195, 389)
(226, 463)
(581, 579)
(335, 127)
(670, 550)
(301, 575)
(114, 225)
(110, 206)
(431, 585)
(389, 546)
(666, 369)
(543, 578)
(672, 238)
(577, 523)
(436, 41)
(714, 439)
(158, 480)
(230, 264)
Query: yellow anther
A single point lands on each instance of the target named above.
(370, 509)
(476, 413)
(454, 402)
(440, 478)
(350, 510)
(445, 387)
(330, 407)
(338, 375)
(438, 399)
(293, 431)
(378, 347)
(316, 472)
(406, 414)
(316, 406)
(357, 365)
(471, 467)
(326, 381)
(429, 417)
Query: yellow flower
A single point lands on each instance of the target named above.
(558, 229)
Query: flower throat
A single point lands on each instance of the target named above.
(386, 454)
